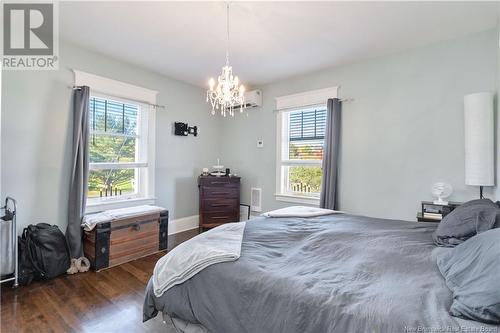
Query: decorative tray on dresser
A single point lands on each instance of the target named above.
(219, 200)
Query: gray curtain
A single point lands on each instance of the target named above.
(79, 171)
(329, 195)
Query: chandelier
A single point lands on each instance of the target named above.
(229, 93)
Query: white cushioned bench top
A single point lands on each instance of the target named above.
(89, 221)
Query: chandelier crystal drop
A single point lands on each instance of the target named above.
(229, 93)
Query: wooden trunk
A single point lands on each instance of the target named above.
(114, 243)
(219, 200)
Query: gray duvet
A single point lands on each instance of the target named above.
(337, 273)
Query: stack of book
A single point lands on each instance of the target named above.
(436, 212)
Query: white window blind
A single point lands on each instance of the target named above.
(306, 134)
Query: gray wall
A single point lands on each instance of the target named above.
(36, 141)
(403, 132)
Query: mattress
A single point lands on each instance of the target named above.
(336, 273)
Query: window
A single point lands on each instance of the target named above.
(300, 153)
(119, 167)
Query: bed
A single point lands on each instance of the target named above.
(335, 273)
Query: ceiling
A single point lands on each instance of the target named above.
(270, 41)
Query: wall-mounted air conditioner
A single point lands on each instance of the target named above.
(253, 99)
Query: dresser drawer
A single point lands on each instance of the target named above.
(219, 204)
(220, 182)
(220, 192)
(215, 218)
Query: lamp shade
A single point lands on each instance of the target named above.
(479, 139)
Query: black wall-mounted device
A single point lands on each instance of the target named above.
(183, 129)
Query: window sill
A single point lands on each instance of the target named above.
(95, 207)
(297, 199)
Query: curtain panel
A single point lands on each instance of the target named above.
(329, 181)
(79, 172)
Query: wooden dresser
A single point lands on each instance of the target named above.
(219, 200)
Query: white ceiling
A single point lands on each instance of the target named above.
(269, 40)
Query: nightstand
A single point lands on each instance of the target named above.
(432, 212)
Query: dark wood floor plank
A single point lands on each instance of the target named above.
(50, 318)
(68, 315)
(108, 301)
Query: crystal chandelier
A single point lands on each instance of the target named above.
(228, 93)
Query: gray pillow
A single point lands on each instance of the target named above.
(466, 221)
(472, 272)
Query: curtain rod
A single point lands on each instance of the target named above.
(156, 106)
(346, 99)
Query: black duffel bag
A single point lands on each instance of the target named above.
(26, 272)
(44, 251)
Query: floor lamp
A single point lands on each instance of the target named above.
(479, 140)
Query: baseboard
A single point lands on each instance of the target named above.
(183, 224)
(244, 217)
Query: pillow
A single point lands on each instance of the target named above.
(472, 272)
(466, 221)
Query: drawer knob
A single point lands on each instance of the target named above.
(136, 227)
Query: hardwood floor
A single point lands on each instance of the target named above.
(108, 301)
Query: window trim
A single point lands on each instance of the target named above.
(116, 88)
(294, 102)
(115, 204)
(118, 165)
(297, 199)
(118, 135)
(146, 192)
(305, 99)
